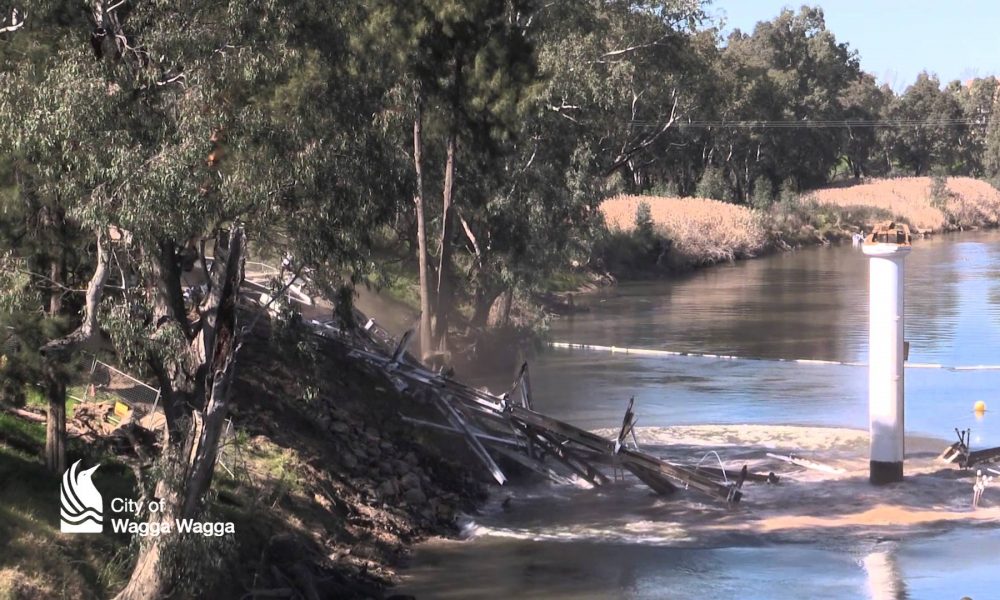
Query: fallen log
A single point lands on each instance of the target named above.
(26, 414)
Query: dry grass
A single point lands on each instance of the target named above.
(702, 231)
(971, 203)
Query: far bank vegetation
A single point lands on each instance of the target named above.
(650, 234)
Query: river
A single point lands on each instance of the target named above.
(810, 536)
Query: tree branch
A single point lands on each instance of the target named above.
(14, 23)
(44, 278)
(88, 329)
(471, 236)
(622, 51)
(626, 155)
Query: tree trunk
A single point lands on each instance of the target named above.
(57, 352)
(55, 425)
(426, 335)
(484, 299)
(190, 454)
(56, 275)
(53, 218)
(444, 284)
(500, 312)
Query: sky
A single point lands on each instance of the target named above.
(897, 39)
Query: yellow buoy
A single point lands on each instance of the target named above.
(980, 406)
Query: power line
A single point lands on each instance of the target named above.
(816, 124)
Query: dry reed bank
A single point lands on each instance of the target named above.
(685, 233)
(700, 230)
(955, 203)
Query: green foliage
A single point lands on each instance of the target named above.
(804, 221)
(939, 193)
(637, 253)
(22, 334)
(20, 433)
(788, 193)
(668, 189)
(126, 322)
(763, 194)
(644, 220)
(920, 149)
(712, 184)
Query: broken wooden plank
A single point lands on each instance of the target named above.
(633, 460)
(958, 451)
(654, 481)
(535, 465)
(526, 386)
(961, 453)
(458, 422)
(728, 474)
(487, 407)
(573, 463)
(809, 464)
(702, 483)
(628, 424)
(484, 437)
(977, 457)
(400, 352)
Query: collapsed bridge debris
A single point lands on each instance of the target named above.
(960, 452)
(506, 425)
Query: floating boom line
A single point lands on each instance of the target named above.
(801, 361)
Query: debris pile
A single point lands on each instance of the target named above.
(507, 426)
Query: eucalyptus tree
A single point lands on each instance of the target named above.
(977, 99)
(462, 71)
(935, 139)
(173, 124)
(804, 71)
(43, 257)
(624, 74)
(863, 100)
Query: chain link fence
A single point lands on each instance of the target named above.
(142, 399)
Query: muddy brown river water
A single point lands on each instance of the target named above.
(815, 535)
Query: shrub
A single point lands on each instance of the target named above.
(939, 194)
(712, 184)
(644, 220)
(763, 193)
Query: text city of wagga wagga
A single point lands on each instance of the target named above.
(143, 529)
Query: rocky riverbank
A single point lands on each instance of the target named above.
(328, 488)
(365, 486)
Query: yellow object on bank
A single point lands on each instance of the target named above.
(121, 409)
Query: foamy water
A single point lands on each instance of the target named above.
(816, 534)
(934, 496)
(838, 519)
